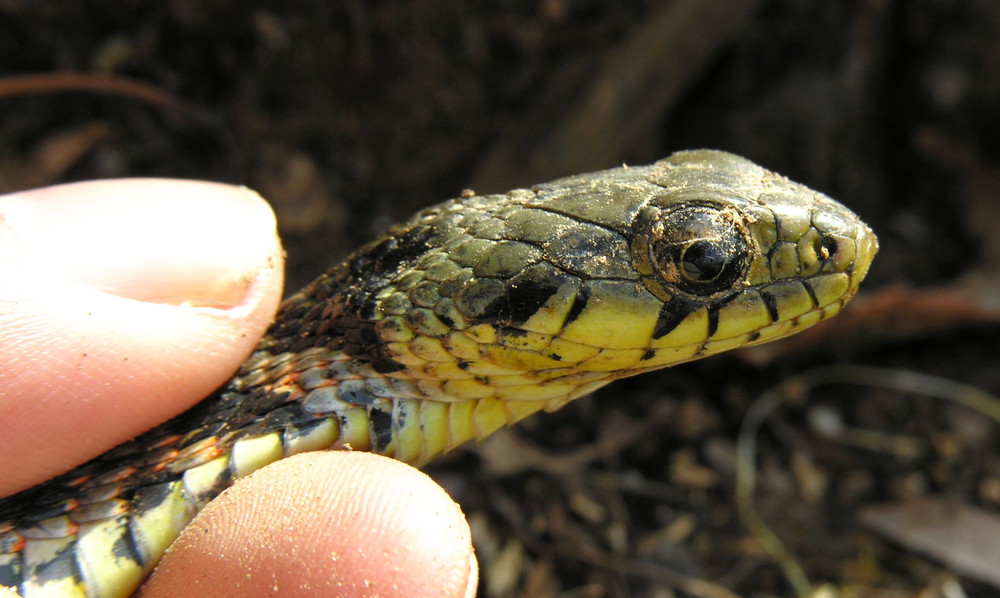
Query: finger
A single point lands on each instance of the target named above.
(121, 304)
(324, 524)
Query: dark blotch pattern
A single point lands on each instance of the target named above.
(772, 305)
(389, 253)
(812, 293)
(496, 311)
(579, 303)
(485, 300)
(527, 297)
(384, 364)
(713, 313)
(354, 392)
(509, 332)
(10, 574)
(62, 566)
(125, 547)
(672, 313)
(713, 319)
(380, 428)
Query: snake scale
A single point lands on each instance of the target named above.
(473, 314)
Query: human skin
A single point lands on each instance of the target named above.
(124, 302)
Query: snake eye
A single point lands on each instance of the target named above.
(699, 250)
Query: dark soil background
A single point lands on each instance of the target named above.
(350, 115)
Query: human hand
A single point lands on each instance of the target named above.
(122, 303)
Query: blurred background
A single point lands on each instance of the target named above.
(350, 115)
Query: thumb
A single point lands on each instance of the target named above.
(121, 304)
(331, 523)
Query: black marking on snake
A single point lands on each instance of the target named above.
(772, 305)
(507, 331)
(125, 547)
(383, 363)
(355, 393)
(61, 567)
(366, 310)
(10, 574)
(485, 300)
(150, 497)
(713, 313)
(780, 234)
(647, 355)
(391, 252)
(579, 303)
(367, 333)
(672, 313)
(713, 318)
(812, 293)
(495, 312)
(445, 319)
(527, 296)
(754, 336)
(380, 428)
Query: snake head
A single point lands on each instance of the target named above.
(520, 301)
(546, 293)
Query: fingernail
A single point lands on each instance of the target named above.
(155, 240)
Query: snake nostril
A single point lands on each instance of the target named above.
(827, 248)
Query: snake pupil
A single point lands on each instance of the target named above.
(702, 262)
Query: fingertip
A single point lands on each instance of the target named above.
(122, 303)
(356, 524)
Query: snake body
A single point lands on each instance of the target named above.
(473, 314)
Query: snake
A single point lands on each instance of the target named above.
(473, 314)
